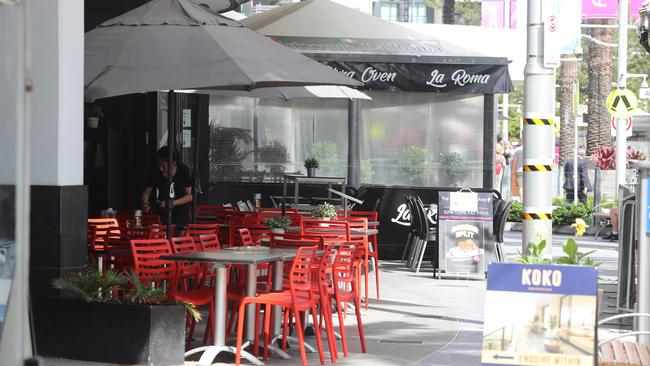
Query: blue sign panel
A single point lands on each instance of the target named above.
(540, 315)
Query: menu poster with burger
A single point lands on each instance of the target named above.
(465, 231)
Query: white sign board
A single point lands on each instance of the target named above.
(187, 118)
(552, 36)
(463, 202)
(644, 93)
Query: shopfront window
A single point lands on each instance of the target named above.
(412, 139)
(259, 140)
(422, 139)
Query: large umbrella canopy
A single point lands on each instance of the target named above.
(292, 92)
(177, 44)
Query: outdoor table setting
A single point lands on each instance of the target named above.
(251, 257)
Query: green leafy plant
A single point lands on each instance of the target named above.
(89, 284)
(516, 211)
(535, 255)
(279, 221)
(455, 167)
(139, 293)
(574, 256)
(93, 286)
(327, 154)
(553, 321)
(228, 150)
(559, 201)
(367, 172)
(311, 163)
(567, 214)
(414, 166)
(325, 210)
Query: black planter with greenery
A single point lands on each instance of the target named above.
(139, 327)
(131, 334)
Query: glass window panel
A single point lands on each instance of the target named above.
(418, 13)
(422, 139)
(389, 11)
(261, 139)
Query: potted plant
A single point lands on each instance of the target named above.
(93, 113)
(141, 328)
(311, 164)
(552, 336)
(326, 211)
(278, 224)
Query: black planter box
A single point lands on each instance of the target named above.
(108, 332)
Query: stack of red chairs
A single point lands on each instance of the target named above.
(373, 241)
(299, 298)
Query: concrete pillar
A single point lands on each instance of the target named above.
(59, 199)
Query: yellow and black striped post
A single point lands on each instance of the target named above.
(538, 135)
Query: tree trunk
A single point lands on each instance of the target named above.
(448, 9)
(568, 80)
(600, 84)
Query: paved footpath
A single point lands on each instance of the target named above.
(421, 321)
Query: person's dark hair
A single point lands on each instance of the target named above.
(163, 154)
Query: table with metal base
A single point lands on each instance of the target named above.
(250, 257)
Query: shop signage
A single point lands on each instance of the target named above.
(607, 9)
(540, 315)
(465, 231)
(474, 79)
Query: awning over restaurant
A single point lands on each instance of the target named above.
(381, 54)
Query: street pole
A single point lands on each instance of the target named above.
(506, 101)
(575, 162)
(621, 138)
(539, 110)
(643, 301)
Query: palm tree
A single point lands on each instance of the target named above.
(600, 84)
(568, 78)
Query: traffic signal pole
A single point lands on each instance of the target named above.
(538, 137)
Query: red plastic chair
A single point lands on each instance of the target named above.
(330, 230)
(373, 240)
(196, 230)
(209, 242)
(159, 231)
(299, 298)
(345, 288)
(190, 284)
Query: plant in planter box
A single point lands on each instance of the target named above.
(516, 211)
(325, 211)
(567, 214)
(278, 223)
(143, 327)
(311, 164)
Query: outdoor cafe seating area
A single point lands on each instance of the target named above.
(232, 263)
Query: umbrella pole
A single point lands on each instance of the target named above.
(171, 138)
(196, 190)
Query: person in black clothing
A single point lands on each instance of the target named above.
(182, 188)
(584, 185)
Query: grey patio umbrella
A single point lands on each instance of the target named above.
(177, 44)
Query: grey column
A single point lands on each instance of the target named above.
(354, 167)
(489, 139)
